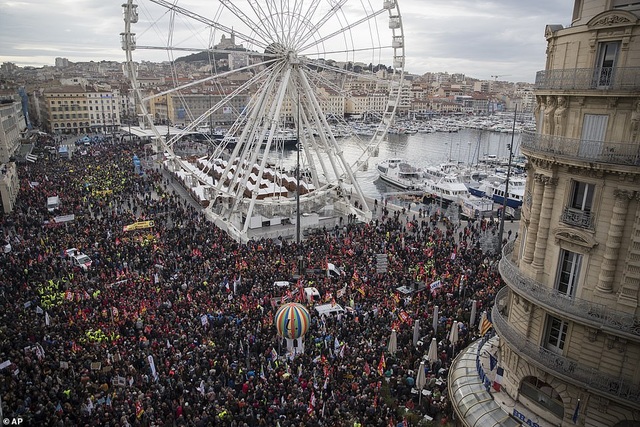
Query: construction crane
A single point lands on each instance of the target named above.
(500, 75)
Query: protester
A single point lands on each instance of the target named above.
(172, 324)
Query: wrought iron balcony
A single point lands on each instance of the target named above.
(584, 311)
(599, 78)
(569, 370)
(578, 218)
(612, 152)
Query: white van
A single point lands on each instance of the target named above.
(329, 309)
(281, 284)
(53, 203)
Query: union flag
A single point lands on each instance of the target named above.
(382, 365)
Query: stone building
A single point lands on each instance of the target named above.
(567, 321)
(12, 128)
(74, 109)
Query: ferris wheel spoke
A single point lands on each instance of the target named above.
(323, 20)
(275, 19)
(312, 145)
(264, 15)
(226, 100)
(206, 79)
(300, 21)
(244, 149)
(342, 71)
(314, 28)
(204, 50)
(246, 20)
(208, 22)
(328, 140)
(294, 25)
(341, 31)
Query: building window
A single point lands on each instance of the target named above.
(579, 211)
(556, 334)
(568, 272)
(543, 395)
(626, 4)
(594, 131)
(582, 196)
(605, 67)
(577, 9)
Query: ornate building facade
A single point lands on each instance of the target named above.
(568, 319)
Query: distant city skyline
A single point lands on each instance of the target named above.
(478, 38)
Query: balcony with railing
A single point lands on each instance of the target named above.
(578, 218)
(590, 313)
(616, 388)
(598, 78)
(610, 152)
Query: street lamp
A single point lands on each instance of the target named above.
(506, 185)
(298, 237)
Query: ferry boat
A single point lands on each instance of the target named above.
(493, 187)
(401, 174)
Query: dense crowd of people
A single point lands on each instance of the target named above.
(172, 323)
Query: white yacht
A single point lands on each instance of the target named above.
(448, 189)
(401, 174)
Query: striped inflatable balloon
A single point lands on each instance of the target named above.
(292, 320)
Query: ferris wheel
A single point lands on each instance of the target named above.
(264, 82)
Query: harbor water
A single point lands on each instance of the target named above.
(466, 146)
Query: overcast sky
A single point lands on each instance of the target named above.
(480, 38)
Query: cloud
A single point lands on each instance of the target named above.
(480, 38)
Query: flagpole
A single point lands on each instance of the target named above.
(576, 413)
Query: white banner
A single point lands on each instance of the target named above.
(153, 367)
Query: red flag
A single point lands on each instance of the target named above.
(367, 368)
(403, 316)
(312, 403)
(382, 365)
(300, 291)
(139, 410)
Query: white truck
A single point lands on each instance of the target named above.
(78, 259)
(53, 203)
